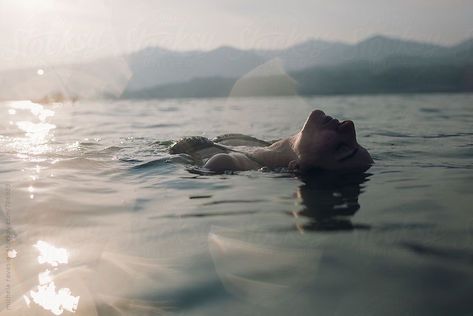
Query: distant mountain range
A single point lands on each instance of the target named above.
(377, 64)
(155, 66)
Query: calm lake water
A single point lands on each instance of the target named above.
(98, 219)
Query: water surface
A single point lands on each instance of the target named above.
(99, 219)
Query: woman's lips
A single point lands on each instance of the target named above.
(346, 124)
(328, 120)
(343, 126)
(346, 129)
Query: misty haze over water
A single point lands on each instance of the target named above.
(376, 65)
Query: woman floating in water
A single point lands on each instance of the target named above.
(323, 143)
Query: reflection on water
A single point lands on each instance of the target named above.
(31, 119)
(329, 201)
(35, 109)
(50, 254)
(32, 123)
(254, 270)
(45, 293)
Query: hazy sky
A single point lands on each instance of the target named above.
(49, 31)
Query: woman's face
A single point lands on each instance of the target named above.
(326, 143)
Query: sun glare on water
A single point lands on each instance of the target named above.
(50, 254)
(38, 131)
(45, 294)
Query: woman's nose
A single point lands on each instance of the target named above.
(315, 119)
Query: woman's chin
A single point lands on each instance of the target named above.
(360, 161)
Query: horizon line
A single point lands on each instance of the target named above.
(310, 39)
(126, 54)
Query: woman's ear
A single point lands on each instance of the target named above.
(293, 165)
